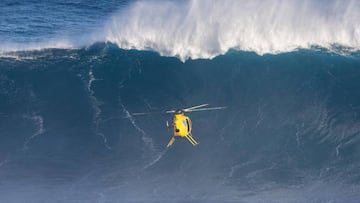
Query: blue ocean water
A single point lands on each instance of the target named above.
(72, 72)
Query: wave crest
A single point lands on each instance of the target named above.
(207, 28)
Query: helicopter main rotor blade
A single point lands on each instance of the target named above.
(170, 111)
(207, 109)
(152, 112)
(143, 114)
(190, 109)
(195, 107)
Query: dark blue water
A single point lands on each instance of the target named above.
(290, 132)
(29, 22)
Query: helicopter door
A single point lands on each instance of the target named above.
(188, 123)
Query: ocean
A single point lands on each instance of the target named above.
(72, 73)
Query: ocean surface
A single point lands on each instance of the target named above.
(73, 72)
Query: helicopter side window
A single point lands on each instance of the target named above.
(185, 123)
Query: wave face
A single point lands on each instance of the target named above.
(205, 29)
(290, 133)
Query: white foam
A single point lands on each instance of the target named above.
(58, 44)
(39, 124)
(8, 49)
(207, 28)
(96, 107)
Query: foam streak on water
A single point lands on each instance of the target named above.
(96, 106)
(39, 123)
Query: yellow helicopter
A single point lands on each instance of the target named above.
(181, 125)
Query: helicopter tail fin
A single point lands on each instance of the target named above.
(171, 142)
(191, 140)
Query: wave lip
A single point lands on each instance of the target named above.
(205, 29)
(15, 47)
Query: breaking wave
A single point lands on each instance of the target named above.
(205, 29)
(208, 28)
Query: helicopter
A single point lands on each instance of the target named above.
(182, 125)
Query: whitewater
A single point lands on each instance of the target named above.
(205, 29)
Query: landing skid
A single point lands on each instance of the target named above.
(171, 142)
(191, 140)
(188, 137)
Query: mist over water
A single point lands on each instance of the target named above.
(187, 29)
(204, 29)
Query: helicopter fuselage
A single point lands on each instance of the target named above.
(182, 125)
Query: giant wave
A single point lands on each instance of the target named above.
(290, 134)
